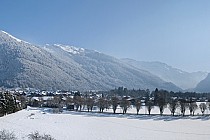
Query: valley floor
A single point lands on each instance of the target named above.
(98, 126)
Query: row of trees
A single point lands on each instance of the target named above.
(163, 100)
(175, 104)
(160, 99)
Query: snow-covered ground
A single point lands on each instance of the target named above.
(103, 126)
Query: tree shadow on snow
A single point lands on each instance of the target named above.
(155, 117)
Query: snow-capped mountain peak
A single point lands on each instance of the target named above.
(18, 40)
(12, 37)
(71, 49)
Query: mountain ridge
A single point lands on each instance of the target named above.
(181, 78)
(204, 85)
(53, 67)
(90, 60)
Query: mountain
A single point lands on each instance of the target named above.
(110, 71)
(182, 79)
(204, 85)
(25, 65)
(53, 67)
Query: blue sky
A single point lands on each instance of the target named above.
(176, 32)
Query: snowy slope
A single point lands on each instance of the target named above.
(97, 126)
(55, 67)
(26, 65)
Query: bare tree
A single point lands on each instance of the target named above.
(69, 103)
(89, 103)
(78, 101)
(102, 104)
(161, 104)
(202, 107)
(107, 104)
(125, 104)
(114, 103)
(149, 105)
(138, 105)
(183, 106)
(173, 105)
(192, 107)
(160, 99)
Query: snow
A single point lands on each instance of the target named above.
(18, 40)
(180, 71)
(70, 49)
(11, 36)
(97, 51)
(166, 67)
(103, 126)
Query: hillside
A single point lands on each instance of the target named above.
(55, 67)
(204, 85)
(26, 65)
(181, 78)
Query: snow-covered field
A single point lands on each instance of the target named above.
(98, 126)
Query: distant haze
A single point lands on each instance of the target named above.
(173, 32)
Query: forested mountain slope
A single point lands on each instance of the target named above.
(53, 67)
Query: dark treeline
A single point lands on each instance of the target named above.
(10, 103)
(147, 93)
